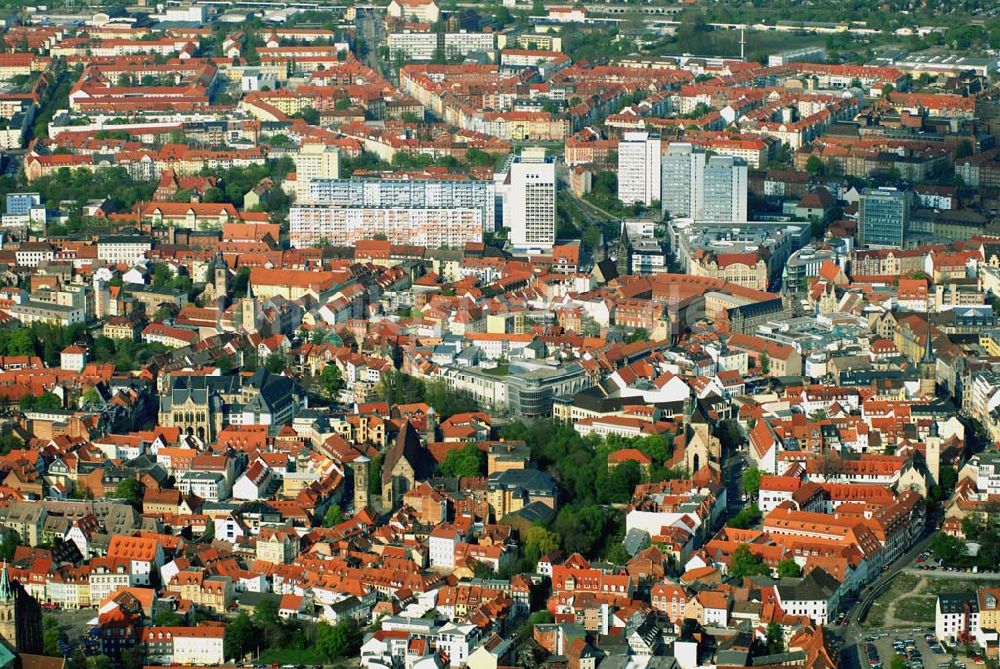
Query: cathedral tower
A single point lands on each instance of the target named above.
(20, 616)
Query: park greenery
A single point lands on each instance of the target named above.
(398, 388)
(238, 181)
(264, 630)
(82, 185)
(47, 341)
(587, 523)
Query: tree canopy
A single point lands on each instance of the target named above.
(788, 568)
(334, 516)
(464, 462)
(745, 563)
(130, 490)
(338, 641)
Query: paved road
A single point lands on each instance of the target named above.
(371, 27)
(592, 211)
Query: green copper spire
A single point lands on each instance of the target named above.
(5, 592)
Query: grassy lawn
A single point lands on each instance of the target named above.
(726, 43)
(499, 370)
(916, 609)
(936, 586)
(915, 598)
(292, 656)
(876, 614)
(902, 585)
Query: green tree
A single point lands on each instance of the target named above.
(581, 528)
(751, 482)
(168, 618)
(334, 516)
(765, 363)
(265, 614)
(620, 482)
(309, 115)
(8, 546)
(132, 658)
(338, 641)
(898, 662)
(447, 402)
(182, 195)
(130, 490)
(479, 158)
(745, 563)
(398, 388)
(241, 281)
(99, 662)
(539, 541)
(466, 461)
(775, 638)
(8, 443)
(947, 548)
(746, 518)
(91, 396)
(239, 637)
(50, 636)
(275, 363)
(375, 475)
(730, 435)
(639, 334)
(44, 402)
(331, 380)
(789, 568)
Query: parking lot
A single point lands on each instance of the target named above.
(916, 646)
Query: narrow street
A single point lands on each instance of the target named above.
(370, 26)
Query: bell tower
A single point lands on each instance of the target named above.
(8, 610)
(20, 616)
(933, 453)
(359, 466)
(928, 366)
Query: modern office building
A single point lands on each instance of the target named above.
(883, 217)
(22, 203)
(408, 194)
(682, 188)
(640, 252)
(529, 207)
(639, 168)
(725, 190)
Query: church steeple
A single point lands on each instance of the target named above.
(928, 345)
(6, 594)
(928, 365)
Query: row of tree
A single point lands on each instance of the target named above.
(398, 388)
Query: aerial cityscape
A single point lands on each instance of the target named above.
(500, 333)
